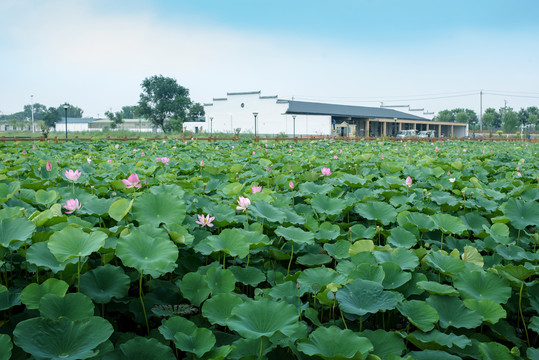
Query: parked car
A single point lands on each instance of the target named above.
(407, 133)
(427, 134)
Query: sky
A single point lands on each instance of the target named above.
(428, 54)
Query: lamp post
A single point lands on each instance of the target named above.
(395, 128)
(65, 109)
(255, 114)
(32, 102)
(294, 124)
(211, 126)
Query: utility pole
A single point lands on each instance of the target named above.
(32, 102)
(481, 110)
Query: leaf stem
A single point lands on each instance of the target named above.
(290, 262)
(521, 314)
(142, 302)
(78, 274)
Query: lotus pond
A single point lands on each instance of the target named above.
(332, 250)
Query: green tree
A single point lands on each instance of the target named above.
(445, 115)
(129, 112)
(196, 111)
(72, 111)
(532, 120)
(50, 118)
(39, 110)
(510, 120)
(117, 118)
(461, 117)
(163, 99)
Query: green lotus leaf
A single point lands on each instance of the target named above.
(361, 246)
(5, 347)
(386, 344)
(104, 283)
(359, 231)
(406, 259)
(368, 272)
(394, 276)
(422, 221)
(514, 273)
(140, 348)
(295, 235)
(156, 209)
(250, 348)
(499, 232)
(8, 299)
(119, 209)
(248, 276)
(256, 318)
(71, 242)
(436, 288)
(48, 217)
(31, 295)
(267, 211)
(176, 324)
(491, 311)
(449, 224)
(11, 212)
(522, 213)
(46, 197)
(8, 190)
(152, 255)
(446, 264)
(195, 288)
(515, 253)
(15, 229)
(362, 297)
(339, 249)
(98, 206)
(431, 354)
(220, 280)
(311, 189)
(442, 198)
(534, 323)
(230, 241)
(287, 289)
(327, 205)
(313, 259)
(40, 255)
(352, 180)
(481, 285)
(377, 210)
(168, 189)
(471, 255)
(452, 312)
(401, 237)
(198, 342)
(74, 306)
(218, 309)
(318, 276)
(328, 231)
(62, 338)
(436, 340)
(334, 343)
(421, 314)
(218, 353)
(494, 351)
(474, 221)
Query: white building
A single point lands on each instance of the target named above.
(73, 124)
(250, 112)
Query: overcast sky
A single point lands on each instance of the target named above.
(428, 54)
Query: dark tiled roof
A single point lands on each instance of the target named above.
(362, 112)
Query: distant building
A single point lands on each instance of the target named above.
(73, 124)
(135, 125)
(250, 112)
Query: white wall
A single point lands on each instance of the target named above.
(71, 127)
(228, 115)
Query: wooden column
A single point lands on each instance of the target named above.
(451, 130)
(384, 125)
(366, 128)
(439, 131)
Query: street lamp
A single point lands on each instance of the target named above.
(395, 128)
(211, 126)
(294, 118)
(32, 101)
(255, 115)
(65, 109)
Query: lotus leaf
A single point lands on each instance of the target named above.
(141, 348)
(46, 197)
(119, 209)
(104, 283)
(31, 295)
(333, 343)
(40, 255)
(318, 276)
(432, 354)
(446, 264)
(394, 276)
(195, 288)
(452, 312)
(220, 280)
(15, 229)
(377, 210)
(328, 205)
(311, 189)
(361, 297)
(386, 344)
(422, 221)
(153, 255)
(295, 235)
(230, 241)
(522, 213)
(401, 237)
(5, 347)
(72, 242)
(471, 255)
(267, 211)
(359, 231)
(449, 224)
(198, 342)
(155, 209)
(338, 250)
(8, 299)
(174, 325)
(244, 348)
(256, 318)
(436, 340)
(62, 338)
(437, 288)
(367, 272)
(218, 309)
(494, 351)
(421, 314)
(74, 306)
(248, 276)
(482, 285)
(490, 310)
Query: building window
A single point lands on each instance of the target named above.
(242, 105)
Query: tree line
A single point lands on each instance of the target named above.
(505, 118)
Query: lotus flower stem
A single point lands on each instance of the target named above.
(73, 188)
(261, 346)
(290, 262)
(521, 314)
(342, 317)
(78, 274)
(142, 302)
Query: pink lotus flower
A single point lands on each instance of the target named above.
(48, 166)
(291, 185)
(409, 181)
(109, 160)
(142, 153)
(436, 148)
(24, 151)
(326, 171)
(201, 162)
(89, 160)
(116, 146)
(72, 175)
(452, 180)
(205, 221)
(256, 189)
(335, 157)
(72, 205)
(243, 203)
(132, 181)
(519, 174)
(518, 168)
(340, 151)
(164, 159)
(33, 146)
(382, 156)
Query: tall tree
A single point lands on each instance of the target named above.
(510, 120)
(72, 111)
(39, 110)
(117, 118)
(128, 112)
(51, 117)
(196, 111)
(163, 99)
(490, 119)
(445, 115)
